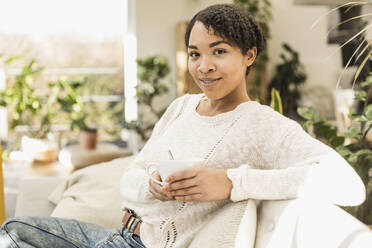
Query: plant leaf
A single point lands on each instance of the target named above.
(361, 66)
(360, 95)
(368, 112)
(367, 82)
(353, 132)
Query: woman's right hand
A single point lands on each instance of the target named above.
(157, 190)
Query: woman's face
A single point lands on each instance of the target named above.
(217, 66)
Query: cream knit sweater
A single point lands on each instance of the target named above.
(267, 157)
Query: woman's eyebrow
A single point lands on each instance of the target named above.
(219, 42)
(213, 44)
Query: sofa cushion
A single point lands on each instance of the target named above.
(92, 194)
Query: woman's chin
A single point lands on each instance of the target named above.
(211, 95)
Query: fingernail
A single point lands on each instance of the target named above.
(167, 180)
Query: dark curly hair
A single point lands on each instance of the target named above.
(232, 23)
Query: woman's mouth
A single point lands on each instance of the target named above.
(208, 82)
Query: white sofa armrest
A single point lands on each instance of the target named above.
(32, 199)
(300, 223)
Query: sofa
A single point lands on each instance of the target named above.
(92, 195)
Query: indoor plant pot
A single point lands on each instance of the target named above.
(88, 138)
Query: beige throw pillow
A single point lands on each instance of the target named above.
(92, 194)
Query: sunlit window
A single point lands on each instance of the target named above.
(73, 40)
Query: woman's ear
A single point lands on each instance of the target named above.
(250, 56)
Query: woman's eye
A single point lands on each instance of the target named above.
(193, 54)
(219, 51)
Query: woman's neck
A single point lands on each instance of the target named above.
(211, 107)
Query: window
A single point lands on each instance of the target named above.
(74, 39)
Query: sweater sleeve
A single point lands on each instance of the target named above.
(302, 167)
(134, 182)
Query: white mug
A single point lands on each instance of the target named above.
(168, 167)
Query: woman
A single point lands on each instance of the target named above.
(249, 152)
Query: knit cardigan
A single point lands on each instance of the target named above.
(267, 157)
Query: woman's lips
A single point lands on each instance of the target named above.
(208, 82)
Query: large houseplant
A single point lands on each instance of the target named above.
(151, 72)
(31, 109)
(25, 105)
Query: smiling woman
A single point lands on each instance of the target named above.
(248, 152)
(218, 67)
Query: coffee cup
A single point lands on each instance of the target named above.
(168, 167)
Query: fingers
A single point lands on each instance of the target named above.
(157, 190)
(187, 183)
(186, 191)
(181, 175)
(159, 196)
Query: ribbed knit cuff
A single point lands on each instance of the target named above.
(236, 176)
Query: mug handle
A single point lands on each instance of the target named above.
(149, 173)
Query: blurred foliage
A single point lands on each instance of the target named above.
(276, 101)
(357, 151)
(26, 105)
(71, 103)
(261, 12)
(40, 101)
(151, 72)
(289, 75)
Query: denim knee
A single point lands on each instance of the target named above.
(6, 241)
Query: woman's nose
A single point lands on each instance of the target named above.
(206, 65)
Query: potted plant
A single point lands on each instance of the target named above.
(72, 104)
(28, 109)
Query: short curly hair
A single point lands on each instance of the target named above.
(232, 23)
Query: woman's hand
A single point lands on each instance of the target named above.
(158, 191)
(202, 184)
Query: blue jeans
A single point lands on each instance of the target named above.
(47, 232)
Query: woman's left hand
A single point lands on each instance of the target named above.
(201, 184)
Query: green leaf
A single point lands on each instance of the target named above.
(343, 151)
(360, 95)
(337, 141)
(368, 82)
(353, 132)
(368, 112)
(276, 101)
(358, 118)
(309, 113)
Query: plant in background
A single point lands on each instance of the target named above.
(276, 101)
(289, 76)
(72, 104)
(151, 72)
(25, 105)
(358, 152)
(261, 12)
